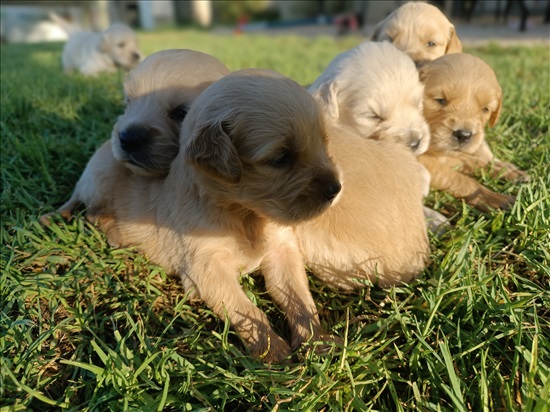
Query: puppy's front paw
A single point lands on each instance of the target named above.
(492, 200)
(517, 175)
(272, 350)
(511, 173)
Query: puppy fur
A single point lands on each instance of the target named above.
(420, 30)
(92, 53)
(461, 96)
(376, 231)
(253, 162)
(374, 88)
(159, 92)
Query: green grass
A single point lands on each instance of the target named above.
(85, 327)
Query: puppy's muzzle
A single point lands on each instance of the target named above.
(135, 137)
(330, 187)
(462, 135)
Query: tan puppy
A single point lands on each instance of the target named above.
(159, 92)
(374, 88)
(461, 96)
(376, 231)
(253, 161)
(145, 138)
(92, 53)
(420, 30)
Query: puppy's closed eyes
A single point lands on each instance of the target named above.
(462, 96)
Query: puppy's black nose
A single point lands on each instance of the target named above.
(332, 190)
(136, 56)
(134, 137)
(462, 135)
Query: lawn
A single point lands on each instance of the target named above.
(85, 327)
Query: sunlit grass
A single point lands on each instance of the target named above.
(85, 327)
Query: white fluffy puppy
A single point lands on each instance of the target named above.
(375, 89)
(91, 53)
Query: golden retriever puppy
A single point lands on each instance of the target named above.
(145, 138)
(252, 163)
(92, 53)
(461, 96)
(420, 30)
(376, 231)
(374, 88)
(159, 92)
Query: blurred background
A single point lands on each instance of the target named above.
(50, 20)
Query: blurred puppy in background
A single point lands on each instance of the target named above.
(145, 139)
(461, 96)
(420, 30)
(374, 88)
(92, 53)
(252, 163)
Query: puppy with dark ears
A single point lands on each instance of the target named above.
(420, 30)
(252, 164)
(461, 97)
(145, 138)
(159, 93)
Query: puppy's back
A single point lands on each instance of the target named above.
(377, 228)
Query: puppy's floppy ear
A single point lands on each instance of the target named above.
(454, 45)
(378, 31)
(212, 151)
(423, 73)
(104, 43)
(326, 95)
(496, 114)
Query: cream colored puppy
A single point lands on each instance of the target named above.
(420, 30)
(374, 88)
(159, 92)
(92, 53)
(252, 163)
(376, 231)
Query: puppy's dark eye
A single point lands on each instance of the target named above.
(485, 110)
(121, 44)
(442, 102)
(178, 114)
(376, 117)
(281, 160)
(430, 44)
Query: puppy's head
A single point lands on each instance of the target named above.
(159, 92)
(257, 139)
(420, 30)
(461, 95)
(120, 43)
(375, 89)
